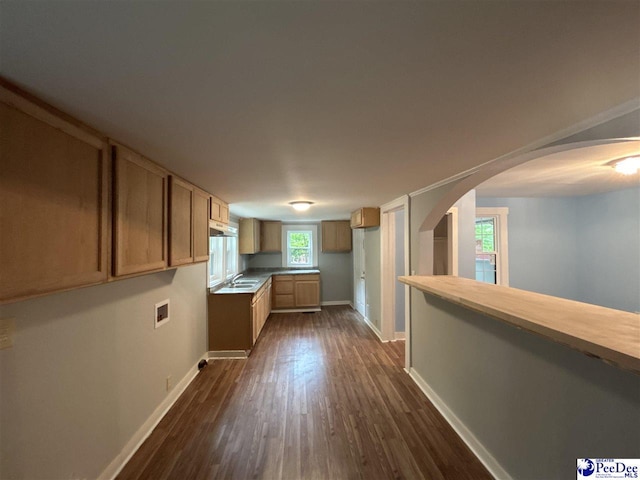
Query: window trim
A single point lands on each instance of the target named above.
(295, 227)
(502, 241)
(224, 277)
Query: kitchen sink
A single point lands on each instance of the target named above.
(239, 286)
(246, 282)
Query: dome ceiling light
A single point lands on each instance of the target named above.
(301, 206)
(626, 166)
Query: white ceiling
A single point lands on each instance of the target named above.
(581, 171)
(346, 104)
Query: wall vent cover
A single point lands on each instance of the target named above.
(161, 313)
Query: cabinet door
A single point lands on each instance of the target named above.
(283, 301)
(53, 202)
(180, 222)
(343, 236)
(140, 214)
(200, 226)
(249, 236)
(219, 210)
(329, 236)
(307, 293)
(255, 313)
(269, 299)
(224, 213)
(271, 236)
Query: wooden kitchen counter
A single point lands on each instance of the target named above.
(611, 335)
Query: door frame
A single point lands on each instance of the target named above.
(387, 273)
(359, 269)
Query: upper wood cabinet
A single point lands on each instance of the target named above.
(336, 236)
(54, 186)
(139, 215)
(365, 217)
(180, 222)
(249, 236)
(270, 236)
(219, 210)
(188, 223)
(200, 225)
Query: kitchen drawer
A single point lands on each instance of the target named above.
(283, 278)
(314, 276)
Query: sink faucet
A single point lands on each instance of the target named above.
(236, 277)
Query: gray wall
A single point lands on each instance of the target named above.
(542, 243)
(582, 248)
(536, 406)
(88, 368)
(372, 269)
(336, 271)
(609, 253)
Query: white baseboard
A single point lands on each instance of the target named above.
(297, 310)
(399, 336)
(374, 329)
(118, 463)
(463, 432)
(336, 302)
(227, 354)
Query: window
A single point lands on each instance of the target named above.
(300, 246)
(491, 246)
(223, 259)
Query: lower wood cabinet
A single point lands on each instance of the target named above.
(307, 291)
(236, 319)
(260, 309)
(296, 292)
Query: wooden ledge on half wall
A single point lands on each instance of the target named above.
(610, 335)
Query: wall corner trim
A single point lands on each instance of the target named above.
(134, 443)
(336, 302)
(460, 428)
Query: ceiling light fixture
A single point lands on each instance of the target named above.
(301, 206)
(626, 166)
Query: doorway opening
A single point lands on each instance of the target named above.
(394, 233)
(359, 280)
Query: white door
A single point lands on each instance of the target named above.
(358, 271)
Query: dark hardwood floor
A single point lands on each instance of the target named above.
(319, 398)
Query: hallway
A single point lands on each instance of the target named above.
(319, 397)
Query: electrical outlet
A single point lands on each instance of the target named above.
(169, 383)
(7, 329)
